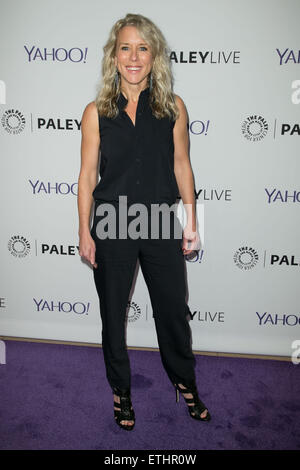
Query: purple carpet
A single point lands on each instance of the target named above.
(57, 397)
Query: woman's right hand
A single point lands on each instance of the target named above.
(87, 248)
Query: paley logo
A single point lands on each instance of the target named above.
(69, 250)
(13, 121)
(284, 260)
(290, 129)
(133, 312)
(56, 124)
(213, 194)
(254, 128)
(208, 317)
(277, 319)
(207, 57)
(18, 246)
(284, 196)
(80, 308)
(43, 54)
(288, 56)
(62, 188)
(245, 258)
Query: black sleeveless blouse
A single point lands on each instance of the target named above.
(136, 161)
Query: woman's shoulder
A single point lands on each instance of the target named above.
(179, 101)
(91, 108)
(90, 111)
(90, 115)
(181, 107)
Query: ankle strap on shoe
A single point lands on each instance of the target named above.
(189, 386)
(121, 392)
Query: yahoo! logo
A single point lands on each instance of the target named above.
(63, 188)
(195, 256)
(75, 54)
(80, 308)
(276, 319)
(199, 127)
(288, 56)
(277, 195)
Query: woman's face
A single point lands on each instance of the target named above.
(133, 56)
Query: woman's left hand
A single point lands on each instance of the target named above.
(191, 240)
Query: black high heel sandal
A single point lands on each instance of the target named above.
(197, 409)
(125, 411)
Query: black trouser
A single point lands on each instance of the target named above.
(162, 264)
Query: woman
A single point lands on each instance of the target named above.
(141, 128)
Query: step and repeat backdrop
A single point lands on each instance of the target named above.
(236, 65)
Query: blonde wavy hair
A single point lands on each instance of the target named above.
(162, 99)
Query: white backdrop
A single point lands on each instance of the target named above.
(236, 66)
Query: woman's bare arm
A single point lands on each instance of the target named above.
(182, 165)
(88, 176)
(185, 179)
(87, 180)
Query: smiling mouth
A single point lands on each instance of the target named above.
(133, 69)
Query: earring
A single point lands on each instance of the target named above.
(116, 78)
(150, 81)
